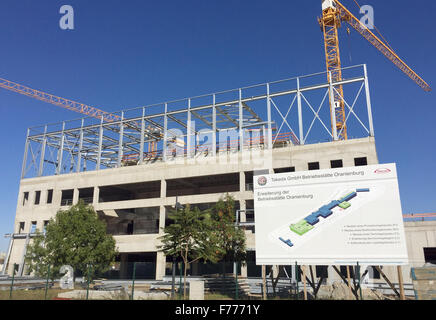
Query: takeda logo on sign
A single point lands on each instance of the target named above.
(382, 171)
(261, 181)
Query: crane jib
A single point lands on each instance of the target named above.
(346, 15)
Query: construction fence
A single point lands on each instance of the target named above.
(220, 282)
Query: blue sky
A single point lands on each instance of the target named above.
(136, 52)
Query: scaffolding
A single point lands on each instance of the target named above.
(293, 111)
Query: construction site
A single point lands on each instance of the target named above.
(134, 166)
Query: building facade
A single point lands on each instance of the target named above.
(135, 200)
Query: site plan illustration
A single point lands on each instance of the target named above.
(344, 201)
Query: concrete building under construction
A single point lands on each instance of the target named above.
(134, 166)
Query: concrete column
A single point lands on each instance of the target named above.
(31, 201)
(160, 265)
(161, 219)
(242, 181)
(96, 196)
(348, 162)
(242, 214)
(57, 196)
(160, 257)
(163, 188)
(325, 164)
(43, 197)
(244, 270)
(21, 198)
(243, 218)
(75, 196)
(10, 268)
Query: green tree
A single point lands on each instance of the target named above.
(36, 256)
(75, 237)
(232, 239)
(191, 236)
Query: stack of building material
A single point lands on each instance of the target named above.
(424, 282)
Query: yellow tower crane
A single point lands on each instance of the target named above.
(333, 14)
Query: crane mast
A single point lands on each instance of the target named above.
(330, 23)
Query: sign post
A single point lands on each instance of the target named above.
(401, 283)
(303, 268)
(264, 282)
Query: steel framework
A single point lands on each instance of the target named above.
(260, 116)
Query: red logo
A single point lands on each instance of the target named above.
(382, 171)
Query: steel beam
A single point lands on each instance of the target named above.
(368, 102)
(100, 143)
(61, 151)
(226, 115)
(300, 114)
(241, 122)
(165, 139)
(26, 150)
(201, 118)
(333, 108)
(268, 108)
(42, 156)
(188, 132)
(141, 146)
(79, 151)
(213, 125)
(120, 142)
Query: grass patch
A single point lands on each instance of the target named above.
(31, 294)
(217, 296)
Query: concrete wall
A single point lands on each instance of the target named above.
(290, 156)
(419, 235)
